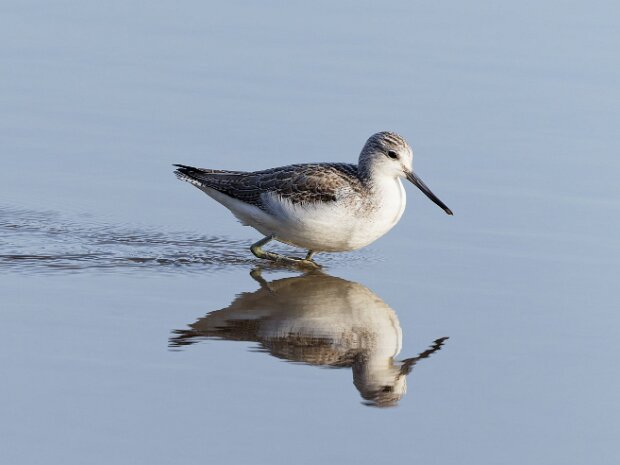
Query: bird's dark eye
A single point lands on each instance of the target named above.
(392, 154)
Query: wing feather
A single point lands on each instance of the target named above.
(308, 183)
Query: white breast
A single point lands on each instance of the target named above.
(347, 224)
(350, 223)
(391, 201)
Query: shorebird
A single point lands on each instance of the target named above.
(320, 207)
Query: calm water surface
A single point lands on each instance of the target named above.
(135, 327)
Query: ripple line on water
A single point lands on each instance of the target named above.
(34, 242)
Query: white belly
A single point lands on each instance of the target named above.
(346, 224)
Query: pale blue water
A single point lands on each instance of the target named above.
(512, 110)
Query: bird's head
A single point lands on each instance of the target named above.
(386, 154)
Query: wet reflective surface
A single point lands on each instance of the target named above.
(131, 328)
(318, 320)
(40, 242)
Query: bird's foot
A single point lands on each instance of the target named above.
(301, 263)
(288, 261)
(305, 263)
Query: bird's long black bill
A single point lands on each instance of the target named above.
(411, 176)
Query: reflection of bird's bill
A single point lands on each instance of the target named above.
(320, 320)
(408, 363)
(394, 387)
(416, 181)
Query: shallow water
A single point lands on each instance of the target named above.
(136, 327)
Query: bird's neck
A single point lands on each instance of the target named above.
(363, 173)
(373, 173)
(376, 179)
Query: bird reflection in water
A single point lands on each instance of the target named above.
(319, 320)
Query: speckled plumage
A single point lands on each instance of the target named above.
(300, 184)
(318, 206)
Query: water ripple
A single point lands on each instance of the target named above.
(43, 242)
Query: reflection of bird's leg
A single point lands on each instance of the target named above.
(256, 274)
(257, 250)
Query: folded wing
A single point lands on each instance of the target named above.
(308, 183)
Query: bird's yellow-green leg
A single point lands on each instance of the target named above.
(257, 250)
